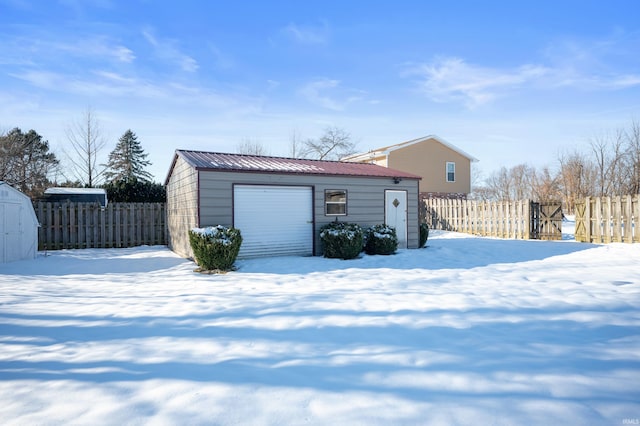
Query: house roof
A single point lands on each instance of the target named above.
(384, 151)
(215, 161)
(68, 190)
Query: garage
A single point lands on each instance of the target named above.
(274, 220)
(280, 204)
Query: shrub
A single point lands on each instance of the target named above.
(424, 234)
(341, 240)
(215, 247)
(381, 239)
(135, 191)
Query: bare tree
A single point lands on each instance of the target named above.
(498, 185)
(545, 186)
(296, 145)
(609, 162)
(577, 177)
(520, 182)
(521, 177)
(251, 147)
(86, 141)
(632, 137)
(334, 144)
(478, 189)
(510, 184)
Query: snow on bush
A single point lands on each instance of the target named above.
(341, 240)
(215, 247)
(381, 239)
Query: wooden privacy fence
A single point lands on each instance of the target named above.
(88, 225)
(503, 219)
(608, 219)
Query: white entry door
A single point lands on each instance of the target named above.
(395, 214)
(274, 220)
(11, 232)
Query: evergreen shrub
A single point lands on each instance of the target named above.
(381, 239)
(341, 240)
(424, 234)
(215, 247)
(135, 191)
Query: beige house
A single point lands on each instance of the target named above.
(444, 168)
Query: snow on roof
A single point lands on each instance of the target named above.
(64, 190)
(203, 160)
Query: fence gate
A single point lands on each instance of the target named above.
(534, 232)
(581, 223)
(546, 221)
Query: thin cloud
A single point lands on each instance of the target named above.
(124, 54)
(625, 81)
(609, 63)
(272, 85)
(42, 46)
(166, 49)
(328, 93)
(453, 79)
(308, 34)
(114, 85)
(221, 60)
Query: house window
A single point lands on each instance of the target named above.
(451, 171)
(335, 202)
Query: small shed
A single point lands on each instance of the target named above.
(279, 204)
(76, 195)
(18, 225)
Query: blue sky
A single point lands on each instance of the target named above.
(508, 82)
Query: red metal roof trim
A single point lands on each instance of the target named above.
(203, 160)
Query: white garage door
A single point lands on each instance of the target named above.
(274, 220)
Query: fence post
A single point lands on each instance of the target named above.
(527, 219)
(474, 217)
(636, 218)
(617, 219)
(598, 225)
(606, 219)
(587, 220)
(483, 222)
(627, 234)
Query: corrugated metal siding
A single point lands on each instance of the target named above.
(274, 220)
(215, 161)
(365, 198)
(182, 206)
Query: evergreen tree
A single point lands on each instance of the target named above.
(127, 160)
(26, 162)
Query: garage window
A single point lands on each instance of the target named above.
(335, 202)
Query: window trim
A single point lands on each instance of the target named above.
(327, 203)
(453, 172)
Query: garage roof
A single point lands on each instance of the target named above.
(214, 161)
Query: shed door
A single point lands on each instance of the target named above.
(274, 220)
(11, 232)
(395, 214)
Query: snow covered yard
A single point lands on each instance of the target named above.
(466, 331)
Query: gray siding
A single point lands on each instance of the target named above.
(182, 206)
(365, 198)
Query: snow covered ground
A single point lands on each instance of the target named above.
(466, 331)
